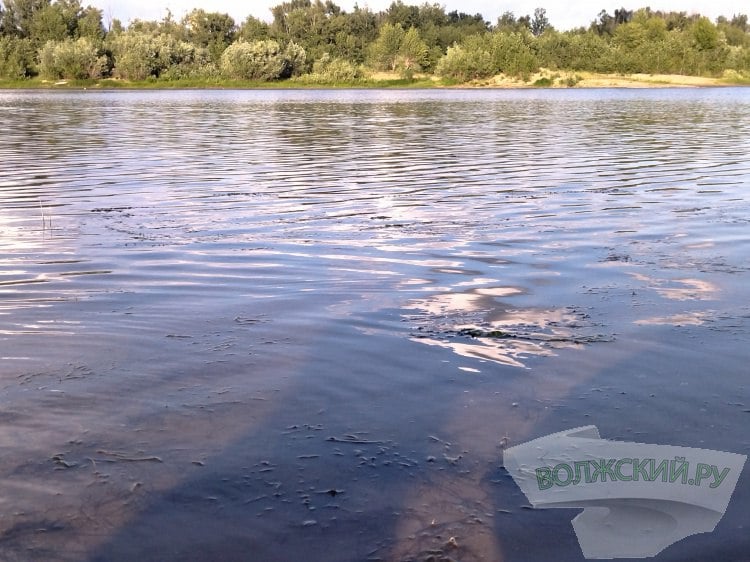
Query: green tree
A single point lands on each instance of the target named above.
(16, 57)
(539, 22)
(211, 30)
(116, 27)
(704, 34)
(402, 14)
(606, 24)
(512, 54)
(355, 31)
(281, 14)
(90, 24)
(48, 24)
(507, 22)
(554, 50)
(144, 26)
(19, 14)
(302, 22)
(734, 31)
(412, 52)
(590, 51)
(252, 29)
(469, 61)
(460, 25)
(384, 51)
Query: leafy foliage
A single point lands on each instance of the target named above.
(466, 62)
(512, 54)
(139, 55)
(16, 57)
(71, 59)
(262, 60)
(332, 44)
(328, 70)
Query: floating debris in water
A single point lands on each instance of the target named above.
(246, 320)
(120, 456)
(356, 440)
(60, 461)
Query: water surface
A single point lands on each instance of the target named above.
(303, 325)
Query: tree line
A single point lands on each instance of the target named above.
(320, 42)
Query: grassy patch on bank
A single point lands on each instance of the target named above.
(217, 83)
(542, 79)
(735, 78)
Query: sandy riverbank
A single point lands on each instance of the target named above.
(568, 79)
(545, 78)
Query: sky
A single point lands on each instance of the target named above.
(563, 14)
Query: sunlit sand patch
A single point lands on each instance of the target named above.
(685, 319)
(69, 480)
(447, 519)
(463, 500)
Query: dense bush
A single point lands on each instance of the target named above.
(464, 63)
(140, 54)
(71, 59)
(329, 70)
(262, 60)
(512, 55)
(481, 56)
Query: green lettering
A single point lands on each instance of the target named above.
(702, 471)
(556, 472)
(678, 468)
(639, 469)
(587, 473)
(663, 468)
(718, 478)
(544, 478)
(618, 470)
(603, 468)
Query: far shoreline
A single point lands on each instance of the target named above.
(544, 79)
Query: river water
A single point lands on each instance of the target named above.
(303, 325)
